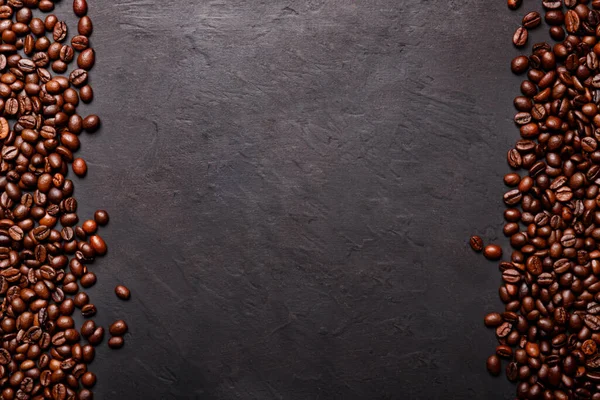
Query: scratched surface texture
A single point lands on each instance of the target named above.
(292, 185)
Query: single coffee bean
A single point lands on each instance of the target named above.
(79, 167)
(476, 243)
(91, 123)
(514, 4)
(118, 328)
(572, 21)
(124, 294)
(532, 20)
(85, 26)
(116, 342)
(101, 217)
(96, 337)
(493, 365)
(520, 37)
(493, 320)
(80, 7)
(519, 65)
(86, 59)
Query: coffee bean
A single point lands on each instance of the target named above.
(493, 365)
(80, 7)
(514, 4)
(59, 31)
(513, 197)
(520, 37)
(118, 328)
(592, 322)
(514, 158)
(96, 337)
(532, 20)
(116, 342)
(101, 217)
(493, 320)
(519, 65)
(79, 167)
(511, 276)
(557, 33)
(552, 4)
(572, 21)
(86, 59)
(476, 243)
(522, 118)
(85, 27)
(124, 294)
(80, 42)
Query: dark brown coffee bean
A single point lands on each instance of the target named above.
(86, 59)
(96, 337)
(88, 310)
(79, 167)
(514, 4)
(476, 243)
(59, 31)
(519, 65)
(80, 42)
(80, 7)
(124, 294)
(85, 26)
(493, 320)
(514, 158)
(532, 20)
(520, 37)
(116, 342)
(118, 328)
(101, 217)
(511, 276)
(572, 21)
(493, 365)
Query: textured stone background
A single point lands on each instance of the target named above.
(292, 185)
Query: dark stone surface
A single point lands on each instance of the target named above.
(292, 185)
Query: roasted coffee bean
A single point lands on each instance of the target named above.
(514, 4)
(85, 27)
(80, 7)
(519, 65)
(476, 243)
(124, 294)
(532, 20)
(493, 320)
(116, 342)
(572, 21)
(79, 167)
(101, 217)
(118, 328)
(520, 37)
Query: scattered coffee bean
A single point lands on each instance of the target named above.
(118, 328)
(101, 217)
(493, 365)
(520, 37)
(476, 243)
(116, 342)
(519, 65)
(532, 20)
(514, 4)
(492, 252)
(122, 292)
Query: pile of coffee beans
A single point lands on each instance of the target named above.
(44, 253)
(549, 331)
